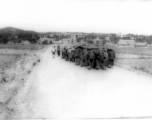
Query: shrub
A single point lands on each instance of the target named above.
(45, 42)
(90, 41)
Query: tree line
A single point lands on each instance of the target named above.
(114, 38)
(29, 36)
(34, 37)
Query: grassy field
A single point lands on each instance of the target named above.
(134, 58)
(11, 53)
(7, 60)
(20, 46)
(132, 50)
(143, 65)
(138, 59)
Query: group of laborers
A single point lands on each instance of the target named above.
(91, 57)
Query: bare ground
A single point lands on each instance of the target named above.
(16, 65)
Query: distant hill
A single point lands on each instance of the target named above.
(15, 31)
(9, 34)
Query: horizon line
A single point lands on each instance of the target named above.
(75, 31)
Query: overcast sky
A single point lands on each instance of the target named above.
(119, 16)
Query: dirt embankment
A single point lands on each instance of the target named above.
(15, 70)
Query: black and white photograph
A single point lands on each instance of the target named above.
(75, 59)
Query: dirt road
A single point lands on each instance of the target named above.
(60, 89)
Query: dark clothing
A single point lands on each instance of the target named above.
(101, 55)
(64, 53)
(96, 53)
(77, 56)
(111, 55)
(73, 56)
(91, 54)
(86, 57)
(101, 64)
(82, 58)
(77, 52)
(58, 49)
(111, 62)
(91, 63)
(85, 52)
(58, 53)
(99, 60)
(105, 58)
(70, 55)
(77, 60)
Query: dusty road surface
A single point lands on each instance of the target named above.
(60, 89)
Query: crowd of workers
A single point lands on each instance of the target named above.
(91, 57)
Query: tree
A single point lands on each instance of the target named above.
(115, 40)
(34, 38)
(141, 39)
(45, 42)
(72, 41)
(103, 42)
(90, 41)
(4, 38)
(97, 43)
(149, 40)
